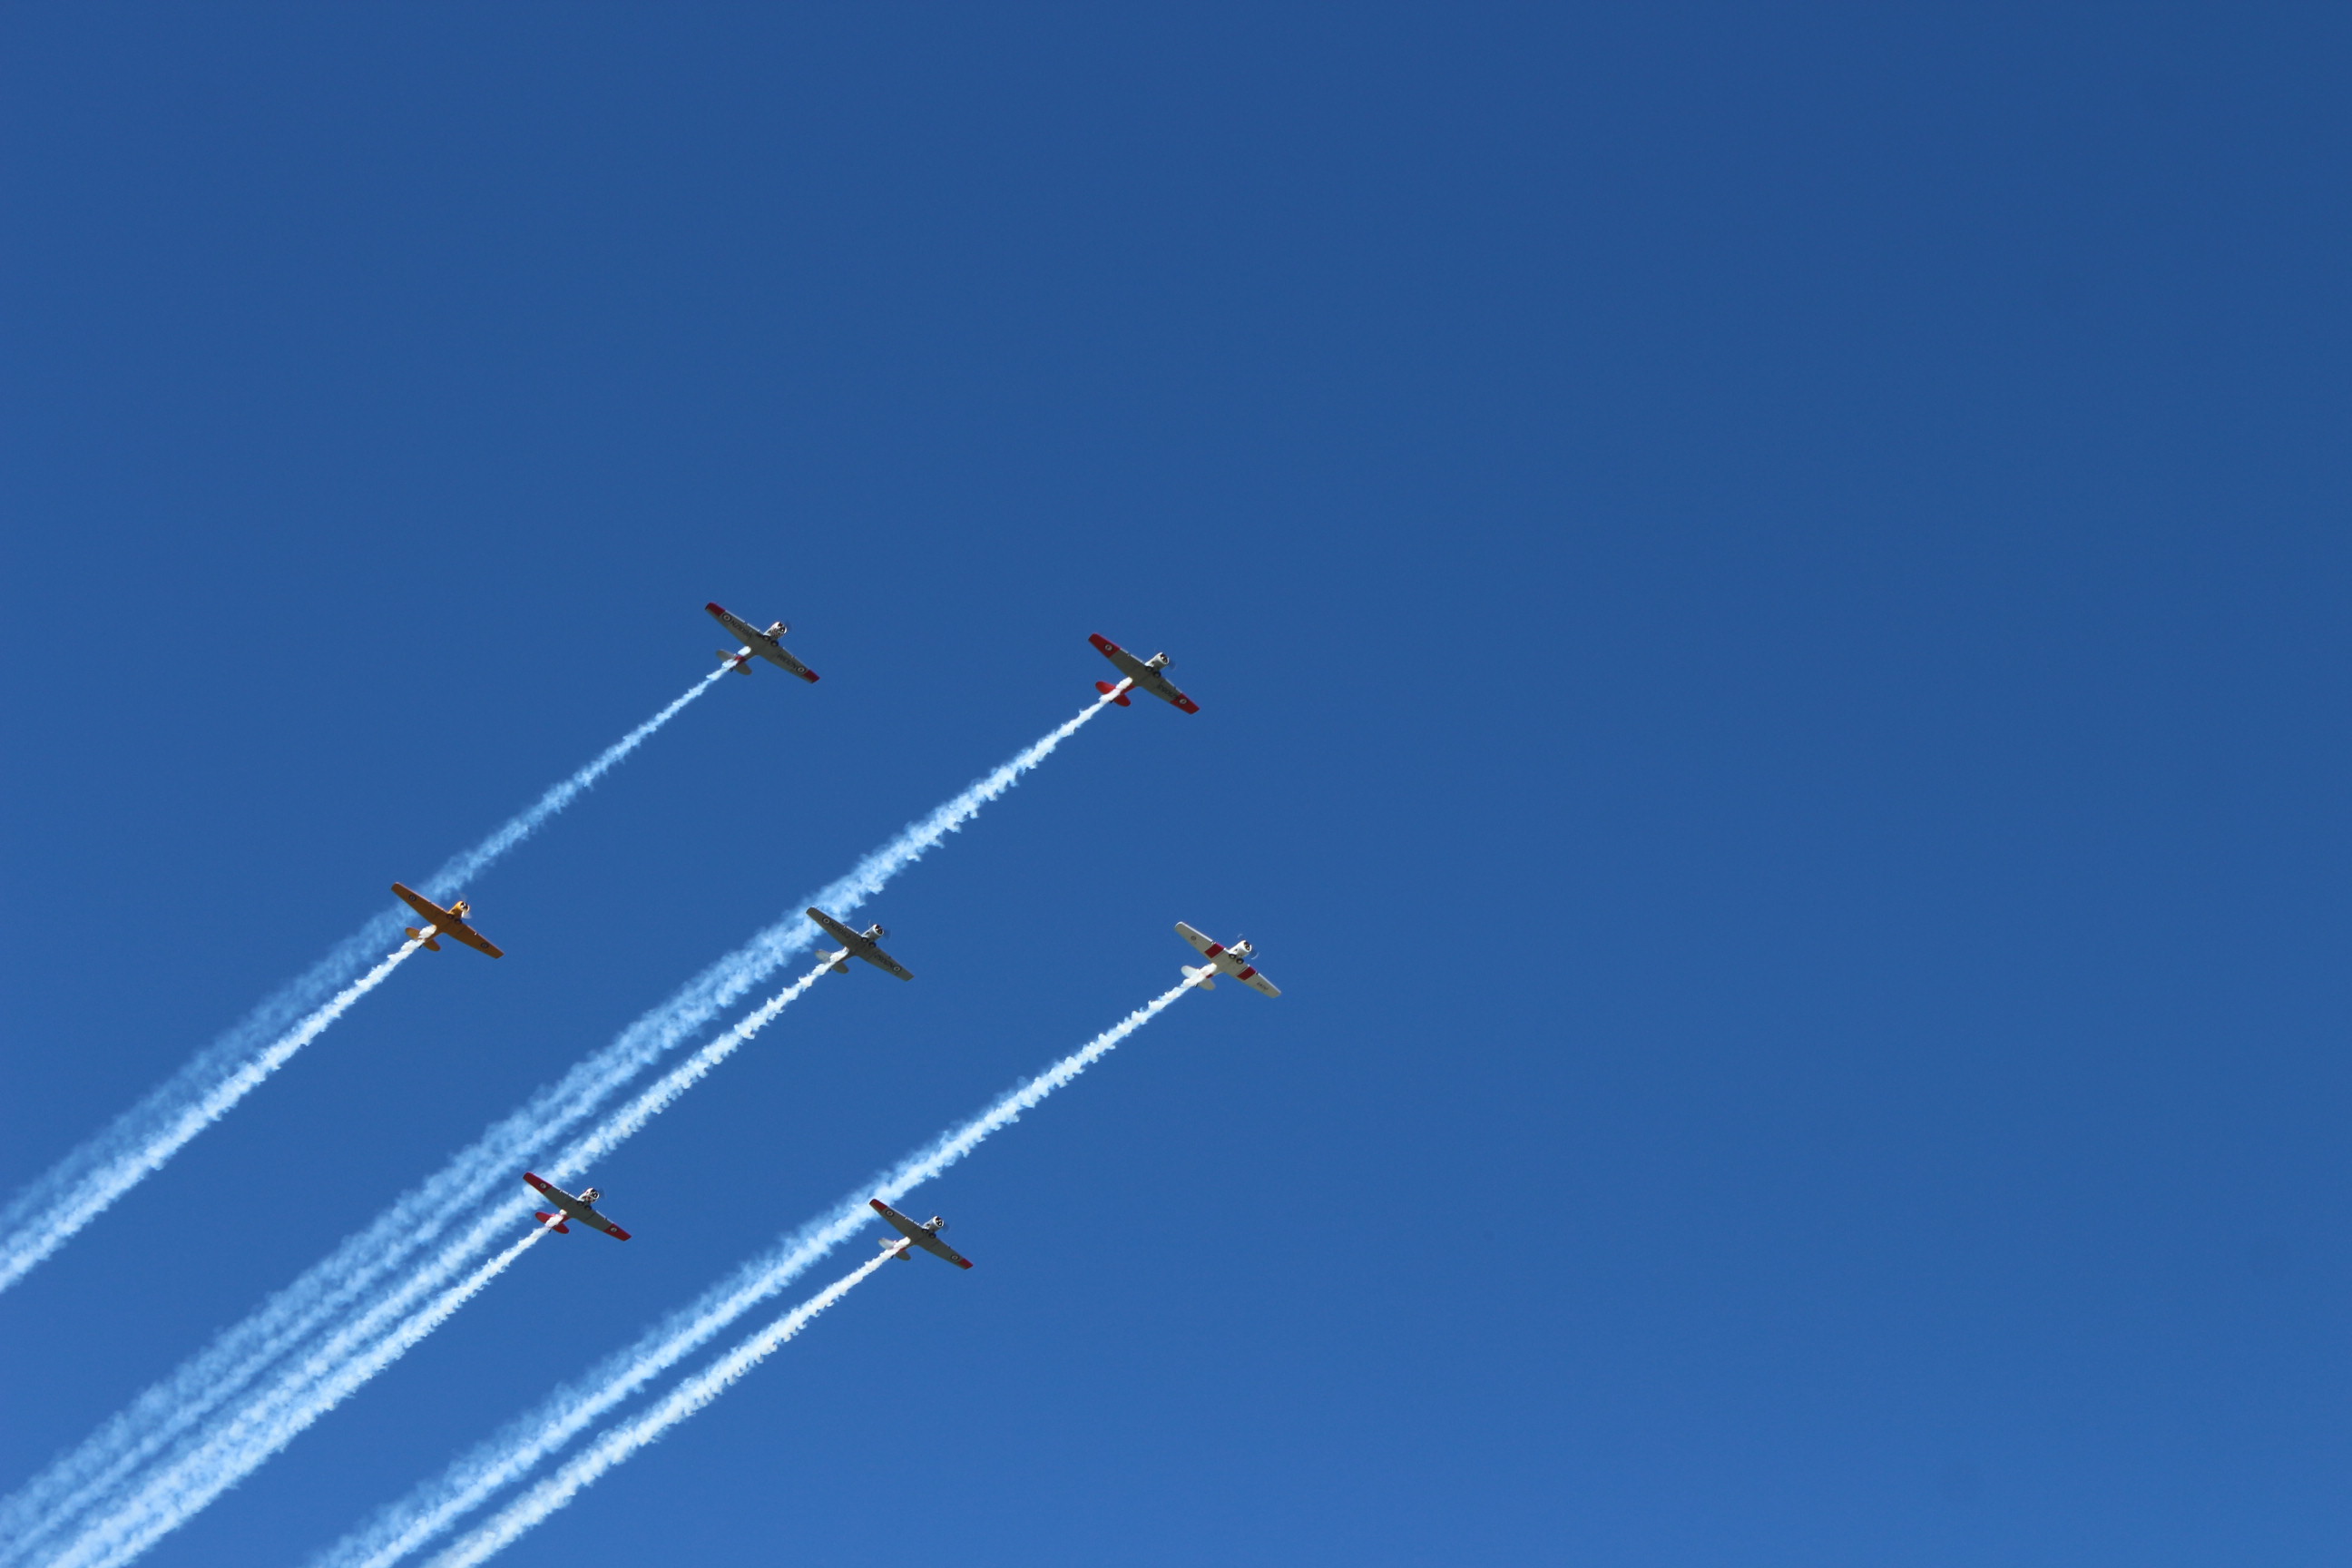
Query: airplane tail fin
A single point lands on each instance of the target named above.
(559, 1227)
(742, 666)
(1199, 976)
(432, 944)
(1105, 688)
(841, 966)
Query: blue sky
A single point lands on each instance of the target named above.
(1767, 594)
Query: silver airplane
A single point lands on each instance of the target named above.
(1143, 674)
(582, 1208)
(1222, 960)
(754, 641)
(925, 1237)
(857, 944)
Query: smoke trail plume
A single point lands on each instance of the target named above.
(619, 1444)
(109, 1180)
(82, 1185)
(220, 1464)
(358, 1351)
(376, 1268)
(425, 1513)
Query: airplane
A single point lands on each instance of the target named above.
(925, 1237)
(857, 945)
(754, 641)
(449, 922)
(582, 1208)
(1142, 673)
(1222, 960)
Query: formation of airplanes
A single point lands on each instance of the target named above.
(1236, 959)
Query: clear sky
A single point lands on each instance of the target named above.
(1768, 598)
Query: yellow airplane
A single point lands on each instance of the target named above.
(449, 922)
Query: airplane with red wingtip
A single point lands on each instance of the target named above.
(449, 922)
(756, 641)
(925, 1235)
(1143, 674)
(1222, 960)
(582, 1208)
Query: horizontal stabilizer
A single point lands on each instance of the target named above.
(742, 666)
(1199, 976)
(415, 935)
(559, 1226)
(1105, 688)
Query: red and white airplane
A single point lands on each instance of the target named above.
(925, 1237)
(1222, 960)
(582, 1208)
(756, 641)
(1143, 674)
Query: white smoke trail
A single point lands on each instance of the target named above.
(111, 1179)
(82, 1185)
(194, 1483)
(99, 1476)
(425, 1513)
(620, 1444)
(363, 1347)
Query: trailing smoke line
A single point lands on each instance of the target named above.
(101, 1476)
(428, 1511)
(200, 1476)
(362, 1349)
(620, 1444)
(82, 1185)
(109, 1181)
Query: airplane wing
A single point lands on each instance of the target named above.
(547, 1189)
(422, 905)
(744, 631)
(587, 1215)
(881, 960)
(835, 930)
(938, 1248)
(1259, 983)
(1195, 938)
(917, 1235)
(1128, 665)
(774, 652)
(458, 930)
(1165, 689)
